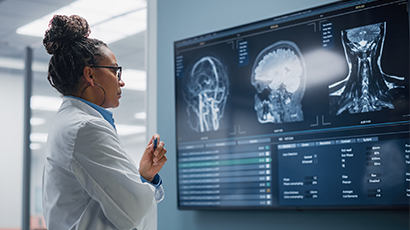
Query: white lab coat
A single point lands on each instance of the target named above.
(89, 182)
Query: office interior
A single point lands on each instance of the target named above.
(147, 107)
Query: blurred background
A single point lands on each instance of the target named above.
(122, 25)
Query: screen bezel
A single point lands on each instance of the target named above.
(258, 24)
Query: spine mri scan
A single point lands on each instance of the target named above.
(366, 88)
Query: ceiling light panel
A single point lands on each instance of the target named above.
(134, 79)
(35, 146)
(140, 115)
(109, 20)
(45, 103)
(16, 63)
(38, 137)
(125, 130)
(120, 27)
(37, 121)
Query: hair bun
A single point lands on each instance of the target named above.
(64, 29)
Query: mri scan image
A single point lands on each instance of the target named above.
(279, 77)
(205, 90)
(366, 88)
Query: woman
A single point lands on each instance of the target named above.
(89, 181)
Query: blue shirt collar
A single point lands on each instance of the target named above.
(108, 116)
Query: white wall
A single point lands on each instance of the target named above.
(11, 153)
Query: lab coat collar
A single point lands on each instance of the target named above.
(108, 116)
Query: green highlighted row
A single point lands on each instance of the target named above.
(226, 162)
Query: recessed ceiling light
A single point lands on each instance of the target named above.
(121, 27)
(134, 79)
(35, 146)
(124, 130)
(15, 63)
(37, 121)
(140, 115)
(38, 137)
(109, 21)
(45, 103)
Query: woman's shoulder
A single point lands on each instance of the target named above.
(75, 123)
(74, 115)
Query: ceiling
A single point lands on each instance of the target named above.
(16, 13)
(130, 53)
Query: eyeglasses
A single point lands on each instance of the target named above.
(118, 69)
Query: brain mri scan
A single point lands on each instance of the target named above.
(205, 90)
(279, 77)
(366, 88)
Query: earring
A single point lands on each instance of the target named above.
(105, 95)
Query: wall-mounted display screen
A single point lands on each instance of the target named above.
(300, 111)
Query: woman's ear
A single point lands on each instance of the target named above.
(88, 75)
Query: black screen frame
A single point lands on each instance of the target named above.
(202, 39)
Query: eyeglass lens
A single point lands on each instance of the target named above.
(119, 71)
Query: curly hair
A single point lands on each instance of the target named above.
(66, 39)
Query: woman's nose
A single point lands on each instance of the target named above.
(122, 83)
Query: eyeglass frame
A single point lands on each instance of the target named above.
(117, 68)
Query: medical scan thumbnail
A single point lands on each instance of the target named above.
(279, 77)
(205, 91)
(366, 88)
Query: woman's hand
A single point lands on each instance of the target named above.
(152, 161)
